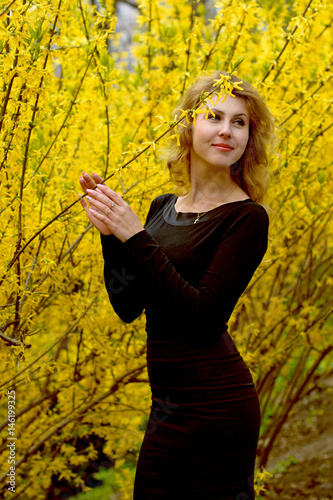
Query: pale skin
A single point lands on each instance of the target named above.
(118, 219)
(218, 142)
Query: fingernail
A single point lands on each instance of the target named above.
(88, 198)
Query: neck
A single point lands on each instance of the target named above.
(211, 188)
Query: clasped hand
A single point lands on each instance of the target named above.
(108, 212)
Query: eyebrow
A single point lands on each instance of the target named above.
(222, 112)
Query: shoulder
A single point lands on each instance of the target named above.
(248, 220)
(157, 203)
(162, 199)
(252, 210)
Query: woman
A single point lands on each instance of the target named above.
(187, 267)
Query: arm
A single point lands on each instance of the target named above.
(123, 279)
(233, 264)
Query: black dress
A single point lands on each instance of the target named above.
(201, 438)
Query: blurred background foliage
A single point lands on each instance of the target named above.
(79, 93)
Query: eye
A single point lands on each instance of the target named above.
(239, 122)
(214, 117)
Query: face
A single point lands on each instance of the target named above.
(220, 140)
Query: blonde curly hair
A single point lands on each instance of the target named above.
(250, 172)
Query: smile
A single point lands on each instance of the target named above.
(223, 147)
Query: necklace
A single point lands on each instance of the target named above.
(201, 214)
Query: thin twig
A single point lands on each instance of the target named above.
(73, 102)
(217, 34)
(6, 9)
(304, 102)
(188, 52)
(231, 55)
(286, 44)
(13, 342)
(70, 329)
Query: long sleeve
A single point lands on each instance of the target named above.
(123, 278)
(237, 256)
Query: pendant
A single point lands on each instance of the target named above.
(198, 217)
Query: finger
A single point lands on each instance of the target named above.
(88, 180)
(96, 194)
(83, 184)
(83, 201)
(86, 208)
(109, 193)
(100, 216)
(97, 178)
(101, 207)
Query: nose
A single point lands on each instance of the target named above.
(225, 129)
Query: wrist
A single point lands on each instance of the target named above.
(132, 234)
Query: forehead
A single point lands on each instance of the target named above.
(231, 106)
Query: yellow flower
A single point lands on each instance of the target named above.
(185, 113)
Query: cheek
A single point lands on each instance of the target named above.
(198, 138)
(200, 131)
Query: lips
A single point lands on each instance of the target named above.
(223, 147)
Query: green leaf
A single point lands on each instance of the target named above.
(321, 177)
(237, 63)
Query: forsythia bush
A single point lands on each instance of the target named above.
(69, 103)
